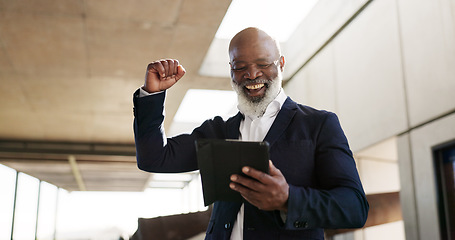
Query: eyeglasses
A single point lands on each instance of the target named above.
(243, 66)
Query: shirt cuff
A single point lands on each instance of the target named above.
(143, 93)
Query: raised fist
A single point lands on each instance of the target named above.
(162, 74)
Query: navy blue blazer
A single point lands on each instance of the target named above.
(307, 145)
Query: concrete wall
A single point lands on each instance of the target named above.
(389, 73)
(418, 198)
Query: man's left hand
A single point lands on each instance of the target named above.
(266, 191)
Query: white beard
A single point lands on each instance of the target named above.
(256, 107)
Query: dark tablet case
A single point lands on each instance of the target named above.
(219, 159)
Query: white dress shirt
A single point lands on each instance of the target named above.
(255, 129)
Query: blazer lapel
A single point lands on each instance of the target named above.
(282, 121)
(233, 125)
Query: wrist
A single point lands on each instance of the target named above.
(148, 90)
(145, 89)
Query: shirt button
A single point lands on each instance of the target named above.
(227, 225)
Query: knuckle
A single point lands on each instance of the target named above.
(152, 65)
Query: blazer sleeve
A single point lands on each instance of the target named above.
(154, 152)
(338, 201)
(157, 153)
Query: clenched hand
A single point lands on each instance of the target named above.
(162, 75)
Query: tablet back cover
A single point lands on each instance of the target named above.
(219, 159)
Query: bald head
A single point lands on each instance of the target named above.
(253, 39)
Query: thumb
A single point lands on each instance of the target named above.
(273, 170)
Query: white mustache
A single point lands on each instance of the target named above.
(255, 81)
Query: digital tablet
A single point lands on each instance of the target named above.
(218, 159)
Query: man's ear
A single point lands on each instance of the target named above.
(282, 63)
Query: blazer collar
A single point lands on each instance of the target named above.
(280, 124)
(282, 121)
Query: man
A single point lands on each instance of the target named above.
(312, 182)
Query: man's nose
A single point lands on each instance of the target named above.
(253, 72)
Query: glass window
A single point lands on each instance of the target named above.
(47, 211)
(26, 207)
(7, 185)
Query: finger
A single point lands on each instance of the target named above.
(176, 65)
(158, 67)
(166, 67)
(256, 174)
(251, 196)
(248, 183)
(172, 71)
(244, 191)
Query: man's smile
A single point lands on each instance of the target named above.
(255, 89)
(255, 86)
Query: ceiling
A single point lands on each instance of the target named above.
(68, 69)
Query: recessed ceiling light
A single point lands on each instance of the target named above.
(278, 18)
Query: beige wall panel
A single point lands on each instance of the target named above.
(378, 167)
(385, 150)
(370, 94)
(407, 191)
(379, 176)
(393, 231)
(422, 140)
(428, 40)
(318, 27)
(314, 85)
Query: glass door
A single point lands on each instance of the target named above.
(445, 174)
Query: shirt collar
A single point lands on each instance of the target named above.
(274, 107)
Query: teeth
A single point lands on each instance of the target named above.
(254, 87)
